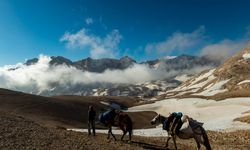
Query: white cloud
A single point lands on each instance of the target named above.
(107, 46)
(223, 49)
(178, 41)
(89, 21)
(42, 76)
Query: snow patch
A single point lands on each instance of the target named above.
(245, 81)
(203, 76)
(246, 56)
(195, 84)
(214, 89)
(169, 57)
(182, 78)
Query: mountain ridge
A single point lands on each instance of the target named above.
(160, 75)
(100, 65)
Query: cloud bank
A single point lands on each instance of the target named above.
(42, 76)
(107, 46)
(218, 51)
(178, 41)
(223, 49)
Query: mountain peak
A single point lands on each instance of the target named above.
(58, 60)
(127, 59)
(31, 61)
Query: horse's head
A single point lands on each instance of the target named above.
(157, 119)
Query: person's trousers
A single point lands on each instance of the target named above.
(91, 124)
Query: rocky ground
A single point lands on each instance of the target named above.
(17, 132)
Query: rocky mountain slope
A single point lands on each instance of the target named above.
(231, 79)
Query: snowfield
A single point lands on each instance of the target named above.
(216, 115)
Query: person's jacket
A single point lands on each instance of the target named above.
(91, 115)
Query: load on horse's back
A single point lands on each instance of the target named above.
(117, 119)
(173, 123)
(105, 117)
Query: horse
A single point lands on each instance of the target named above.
(121, 120)
(190, 129)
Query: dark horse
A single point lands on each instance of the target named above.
(117, 119)
(190, 129)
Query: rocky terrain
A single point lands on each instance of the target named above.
(20, 133)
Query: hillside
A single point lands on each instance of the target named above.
(64, 111)
(231, 79)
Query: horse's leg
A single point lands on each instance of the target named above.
(130, 134)
(205, 138)
(167, 141)
(109, 132)
(124, 133)
(197, 142)
(112, 133)
(174, 139)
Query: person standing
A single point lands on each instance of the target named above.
(91, 119)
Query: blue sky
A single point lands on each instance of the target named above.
(144, 30)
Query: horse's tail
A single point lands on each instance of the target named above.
(205, 137)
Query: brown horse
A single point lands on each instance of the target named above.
(116, 119)
(191, 129)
